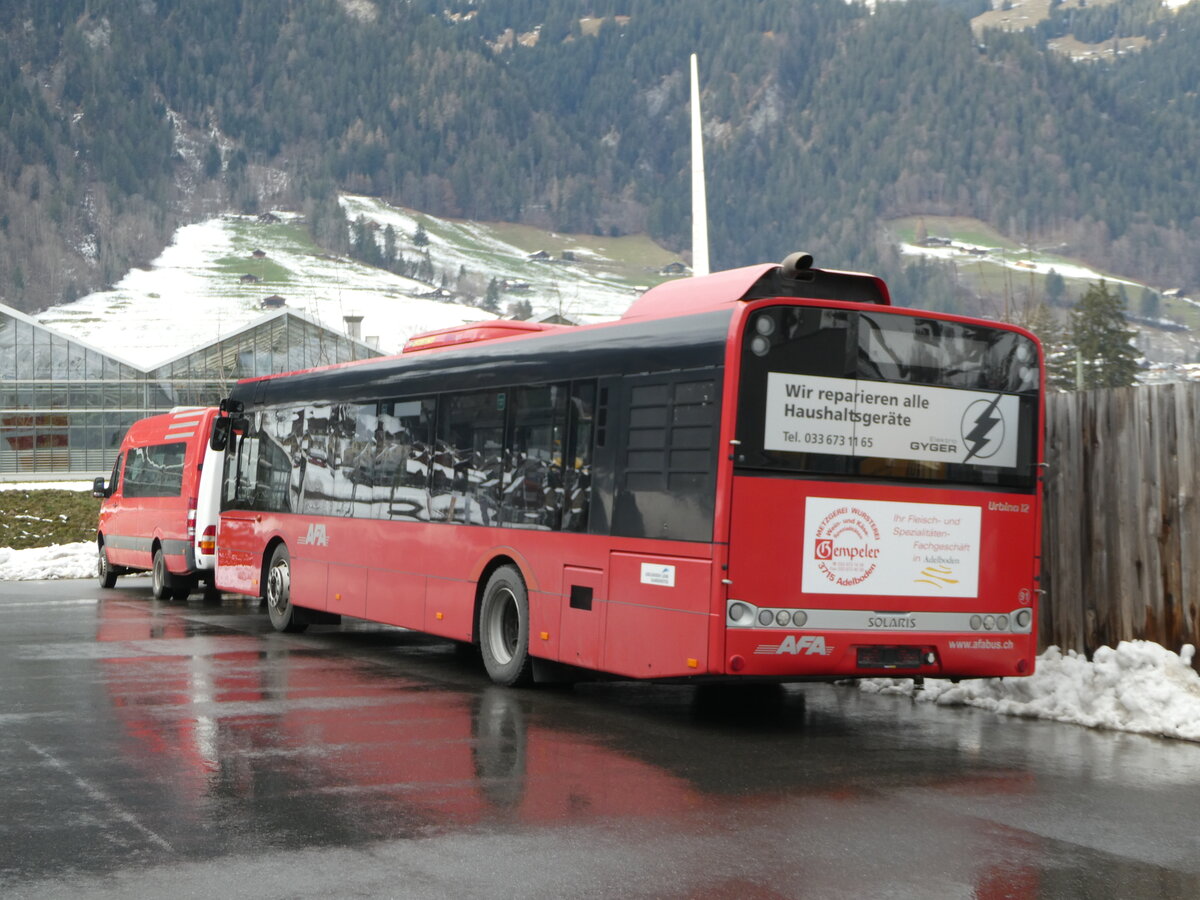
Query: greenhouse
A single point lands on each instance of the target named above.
(65, 405)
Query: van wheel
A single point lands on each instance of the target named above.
(160, 578)
(504, 628)
(284, 616)
(108, 575)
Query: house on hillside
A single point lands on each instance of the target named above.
(268, 218)
(259, 254)
(538, 256)
(249, 279)
(675, 268)
(272, 302)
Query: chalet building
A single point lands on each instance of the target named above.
(273, 302)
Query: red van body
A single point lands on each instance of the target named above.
(160, 508)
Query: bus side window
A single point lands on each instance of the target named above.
(403, 453)
(467, 459)
(577, 468)
(533, 458)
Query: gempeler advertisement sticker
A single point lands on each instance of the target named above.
(890, 549)
(849, 417)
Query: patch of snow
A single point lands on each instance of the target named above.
(45, 486)
(59, 561)
(959, 251)
(1138, 687)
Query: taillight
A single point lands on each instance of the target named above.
(191, 519)
(208, 540)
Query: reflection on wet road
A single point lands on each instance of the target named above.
(153, 749)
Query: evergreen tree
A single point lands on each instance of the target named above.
(1056, 287)
(1101, 339)
(1149, 306)
(491, 300)
(520, 309)
(1057, 352)
(389, 245)
(420, 237)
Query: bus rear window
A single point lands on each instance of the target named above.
(882, 394)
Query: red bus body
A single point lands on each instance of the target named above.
(710, 549)
(162, 499)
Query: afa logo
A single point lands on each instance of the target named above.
(316, 536)
(806, 644)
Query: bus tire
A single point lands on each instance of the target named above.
(108, 575)
(504, 628)
(160, 578)
(278, 593)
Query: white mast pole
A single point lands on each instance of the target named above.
(699, 203)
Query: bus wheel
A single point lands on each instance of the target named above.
(279, 593)
(504, 628)
(108, 575)
(160, 578)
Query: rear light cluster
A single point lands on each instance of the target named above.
(1018, 621)
(191, 519)
(747, 615)
(208, 540)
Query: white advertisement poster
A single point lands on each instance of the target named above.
(848, 417)
(890, 549)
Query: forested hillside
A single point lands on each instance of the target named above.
(120, 120)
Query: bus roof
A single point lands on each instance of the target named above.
(794, 278)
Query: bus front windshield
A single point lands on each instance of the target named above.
(881, 394)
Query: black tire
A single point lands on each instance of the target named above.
(160, 578)
(277, 591)
(504, 629)
(212, 593)
(182, 586)
(108, 575)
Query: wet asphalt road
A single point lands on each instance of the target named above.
(185, 750)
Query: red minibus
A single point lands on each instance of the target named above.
(764, 473)
(160, 505)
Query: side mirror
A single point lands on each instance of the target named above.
(99, 490)
(220, 434)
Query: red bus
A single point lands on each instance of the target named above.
(764, 473)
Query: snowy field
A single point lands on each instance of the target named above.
(1137, 687)
(212, 280)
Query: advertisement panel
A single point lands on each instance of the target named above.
(850, 417)
(885, 548)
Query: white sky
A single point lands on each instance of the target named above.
(1138, 687)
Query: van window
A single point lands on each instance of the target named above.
(155, 471)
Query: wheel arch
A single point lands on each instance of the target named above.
(265, 563)
(483, 570)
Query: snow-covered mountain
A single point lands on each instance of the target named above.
(215, 276)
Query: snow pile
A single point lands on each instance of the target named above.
(59, 561)
(45, 486)
(1139, 687)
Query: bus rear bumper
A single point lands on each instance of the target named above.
(754, 653)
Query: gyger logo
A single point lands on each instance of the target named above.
(846, 546)
(982, 429)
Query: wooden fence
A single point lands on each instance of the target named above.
(1121, 540)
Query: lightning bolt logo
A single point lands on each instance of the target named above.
(978, 438)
